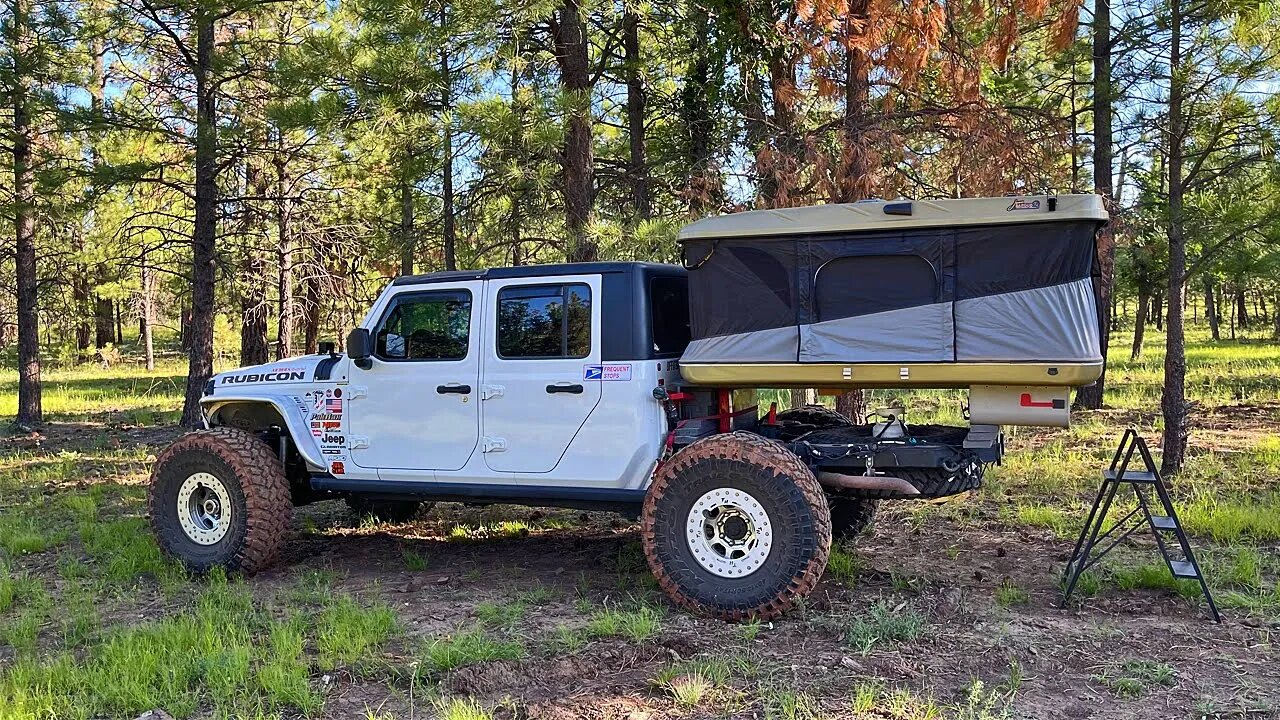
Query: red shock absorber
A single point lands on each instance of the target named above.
(724, 410)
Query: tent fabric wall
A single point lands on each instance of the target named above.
(1006, 293)
(917, 334)
(1054, 323)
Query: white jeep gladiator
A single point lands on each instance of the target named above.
(562, 385)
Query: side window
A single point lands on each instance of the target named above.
(669, 305)
(865, 284)
(544, 321)
(426, 326)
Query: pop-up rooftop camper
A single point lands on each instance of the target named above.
(992, 294)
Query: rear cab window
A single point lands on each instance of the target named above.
(669, 315)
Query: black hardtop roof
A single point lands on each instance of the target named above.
(525, 271)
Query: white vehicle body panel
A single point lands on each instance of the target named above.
(528, 426)
(389, 425)
(403, 420)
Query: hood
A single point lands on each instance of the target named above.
(290, 370)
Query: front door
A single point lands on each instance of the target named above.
(418, 407)
(542, 340)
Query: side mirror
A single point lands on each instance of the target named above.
(360, 348)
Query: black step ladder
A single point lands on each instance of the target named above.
(1087, 554)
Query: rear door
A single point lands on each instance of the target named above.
(541, 378)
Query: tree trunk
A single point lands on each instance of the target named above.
(800, 398)
(253, 299)
(695, 113)
(638, 169)
(449, 232)
(184, 327)
(1210, 308)
(852, 404)
(1091, 397)
(146, 315)
(854, 182)
(30, 409)
(515, 219)
(1242, 308)
(1275, 303)
(284, 283)
(408, 243)
(311, 310)
(1157, 310)
(1140, 324)
(104, 317)
(1173, 402)
(119, 324)
(205, 231)
(579, 162)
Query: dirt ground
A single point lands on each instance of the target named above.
(1033, 657)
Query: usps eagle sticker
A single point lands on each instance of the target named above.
(608, 373)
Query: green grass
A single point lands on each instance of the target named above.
(222, 653)
(414, 561)
(468, 648)
(842, 565)
(691, 683)
(502, 615)
(635, 625)
(884, 624)
(347, 631)
(87, 391)
(1152, 575)
(1131, 678)
(1009, 594)
(462, 709)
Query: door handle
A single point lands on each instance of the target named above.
(564, 388)
(455, 389)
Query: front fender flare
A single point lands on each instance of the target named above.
(291, 409)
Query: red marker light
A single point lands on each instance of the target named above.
(337, 468)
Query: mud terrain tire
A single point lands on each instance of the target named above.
(392, 511)
(249, 479)
(850, 515)
(778, 485)
(818, 416)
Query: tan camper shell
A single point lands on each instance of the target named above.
(989, 292)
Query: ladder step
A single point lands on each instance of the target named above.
(1183, 569)
(1137, 476)
(1164, 522)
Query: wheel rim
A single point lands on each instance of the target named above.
(204, 508)
(729, 532)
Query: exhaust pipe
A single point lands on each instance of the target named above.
(840, 481)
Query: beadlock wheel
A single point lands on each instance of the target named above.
(219, 498)
(729, 532)
(204, 508)
(735, 526)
